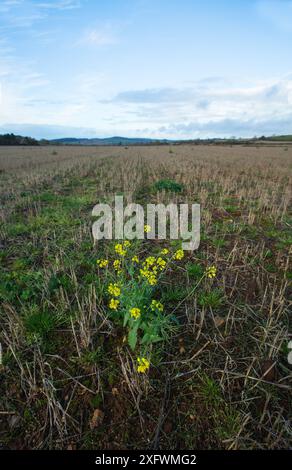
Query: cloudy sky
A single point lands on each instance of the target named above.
(152, 68)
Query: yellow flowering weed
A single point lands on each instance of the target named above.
(102, 263)
(135, 312)
(114, 290)
(113, 304)
(211, 271)
(143, 365)
(179, 254)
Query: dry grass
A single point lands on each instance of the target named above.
(222, 380)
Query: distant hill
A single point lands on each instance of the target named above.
(106, 141)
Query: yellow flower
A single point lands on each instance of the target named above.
(145, 273)
(147, 228)
(113, 304)
(152, 280)
(179, 254)
(114, 290)
(135, 312)
(102, 263)
(150, 261)
(161, 263)
(211, 271)
(117, 265)
(119, 249)
(150, 275)
(156, 305)
(135, 259)
(154, 269)
(165, 251)
(143, 365)
(127, 244)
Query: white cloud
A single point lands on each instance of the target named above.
(53, 4)
(99, 37)
(230, 127)
(25, 21)
(41, 131)
(20, 14)
(6, 6)
(61, 4)
(241, 109)
(12, 2)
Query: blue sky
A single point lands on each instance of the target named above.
(154, 68)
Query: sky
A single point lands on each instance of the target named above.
(177, 69)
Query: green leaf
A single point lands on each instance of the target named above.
(145, 338)
(132, 337)
(126, 318)
(150, 338)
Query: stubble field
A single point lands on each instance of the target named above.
(217, 349)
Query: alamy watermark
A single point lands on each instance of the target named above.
(174, 221)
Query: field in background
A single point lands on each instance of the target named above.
(222, 379)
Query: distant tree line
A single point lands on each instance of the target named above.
(11, 139)
(279, 138)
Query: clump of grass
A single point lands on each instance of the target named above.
(40, 324)
(194, 270)
(168, 185)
